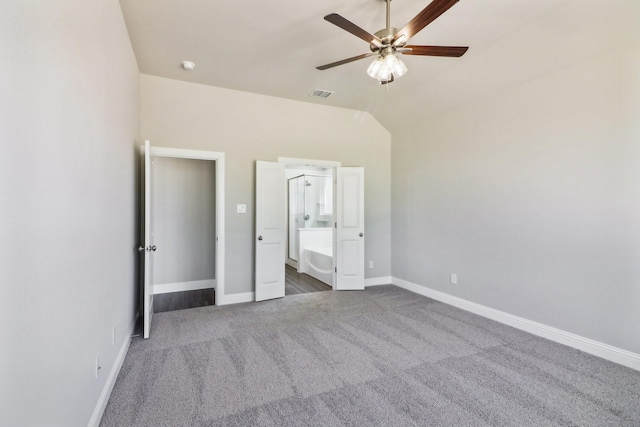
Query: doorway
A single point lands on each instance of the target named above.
(183, 224)
(184, 232)
(347, 259)
(310, 224)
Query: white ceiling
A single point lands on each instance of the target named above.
(272, 47)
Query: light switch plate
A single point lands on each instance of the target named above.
(241, 208)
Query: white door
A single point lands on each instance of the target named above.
(349, 272)
(271, 233)
(148, 247)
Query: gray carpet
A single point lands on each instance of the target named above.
(382, 357)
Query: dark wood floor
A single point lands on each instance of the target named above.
(182, 300)
(300, 283)
(295, 283)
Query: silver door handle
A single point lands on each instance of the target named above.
(140, 248)
(361, 234)
(259, 237)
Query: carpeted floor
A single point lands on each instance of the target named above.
(382, 357)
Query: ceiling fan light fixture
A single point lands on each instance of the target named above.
(386, 68)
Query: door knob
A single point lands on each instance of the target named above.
(140, 248)
(259, 237)
(361, 234)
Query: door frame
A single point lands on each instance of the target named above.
(331, 164)
(217, 157)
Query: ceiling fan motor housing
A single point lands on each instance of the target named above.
(386, 35)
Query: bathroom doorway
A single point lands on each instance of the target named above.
(271, 227)
(310, 228)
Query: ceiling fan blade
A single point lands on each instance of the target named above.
(452, 51)
(424, 18)
(346, 61)
(349, 26)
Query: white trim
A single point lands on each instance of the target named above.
(596, 348)
(219, 158)
(377, 281)
(184, 286)
(101, 404)
(220, 225)
(185, 154)
(235, 298)
(309, 162)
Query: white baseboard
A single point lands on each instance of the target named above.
(98, 411)
(184, 286)
(376, 281)
(596, 348)
(235, 298)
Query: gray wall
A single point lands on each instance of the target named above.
(532, 197)
(69, 117)
(249, 127)
(184, 214)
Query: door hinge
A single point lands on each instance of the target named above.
(336, 269)
(336, 225)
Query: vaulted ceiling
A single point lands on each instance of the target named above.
(272, 47)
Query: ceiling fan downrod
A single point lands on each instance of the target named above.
(388, 14)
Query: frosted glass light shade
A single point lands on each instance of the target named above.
(396, 66)
(386, 68)
(375, 67)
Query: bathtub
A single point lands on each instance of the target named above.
(315, 253)
(318, 263)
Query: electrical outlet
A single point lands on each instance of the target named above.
(370, 264)
(241, 208)
(98, 366)
(454, 279)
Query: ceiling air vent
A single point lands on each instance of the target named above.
(319, 93)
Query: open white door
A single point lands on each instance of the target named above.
(271, 233)
(148, 247)
(349, 274)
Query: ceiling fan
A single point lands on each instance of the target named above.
(385, 43)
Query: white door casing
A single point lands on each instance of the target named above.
(271, 233)
(148, 152)
(349, 254)
(148, 248)
(219, 159)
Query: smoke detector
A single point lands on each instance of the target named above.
(188, 65)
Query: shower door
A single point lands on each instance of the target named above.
(295, 214)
